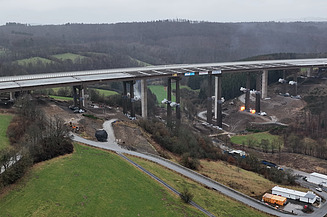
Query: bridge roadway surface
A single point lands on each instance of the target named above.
(37, 81)
(113, 146)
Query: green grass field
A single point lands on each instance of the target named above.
(62, 98)
(33, 61)
(106, 92)
(4, 123)
(256, 137)
(91, 182)
(68, 56)
(216, 203)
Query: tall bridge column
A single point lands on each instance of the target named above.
(144, 98)
(79, 97)
(169, 101)
(75, 96)
(82, 96)
(264, 90)
(284, 83)
(247, 93)
(258, 93)
(216, 97)
(209, 101)
(178, 101)
(11, 96)
(124, 97)
(309, 72)
(295, 85)
(132, 101)
(219, 102)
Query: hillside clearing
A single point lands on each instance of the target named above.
(68, 56)
(34, 61)
(255, 137)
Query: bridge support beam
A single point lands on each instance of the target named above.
(258, 92)
(124, 96)
(11, 96)
(247, 93)
(295, 85)
(284, 83)
(257, 101)
(218, 100)
(169, 112)
(264, 90)
(81, 97)
(209, 100)
(75, 96)
(178, 101)
(144, 98)
(309, 72)
(132, 101)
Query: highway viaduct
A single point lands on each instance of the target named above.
(79, 80)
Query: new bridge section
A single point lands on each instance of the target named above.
(17, 83)
(79, 79)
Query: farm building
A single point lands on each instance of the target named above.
(308, 197)
(274, 199)
(318, 178)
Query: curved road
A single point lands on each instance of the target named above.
(113, 146)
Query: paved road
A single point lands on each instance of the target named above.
(113, 146)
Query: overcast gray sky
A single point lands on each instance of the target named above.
(113, 11)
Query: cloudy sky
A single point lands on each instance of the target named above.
(113, 11)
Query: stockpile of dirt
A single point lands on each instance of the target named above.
(132, 138)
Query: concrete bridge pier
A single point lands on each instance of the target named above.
(81, 97)
(125, 98)
(264, 90)
(75, 97)
(257, 101)
(144, 98)
(258, 93)
(178, 101)
(78, 96)
(169, 103)
(132, 100)
(295, 85)
(285, 83)
(247, 92)
(169, 112)
(209, 100)
(218, 101)
(309, 72)
(11, 96)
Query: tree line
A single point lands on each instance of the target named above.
(34, 137)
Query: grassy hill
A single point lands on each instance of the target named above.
(91, 182)
(4, 123)
(33, 61)
(214, 202)
(68, 56)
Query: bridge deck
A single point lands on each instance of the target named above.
(15, 83)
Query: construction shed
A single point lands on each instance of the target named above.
(318, 178)
(307, 197)
(274, 199)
